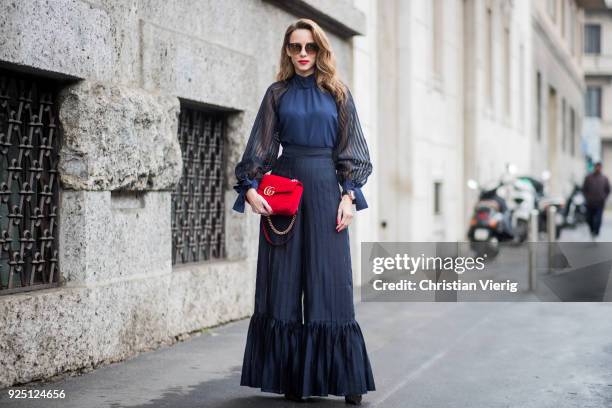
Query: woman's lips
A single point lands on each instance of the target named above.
(303, 62)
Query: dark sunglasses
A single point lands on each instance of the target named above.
(296, 48)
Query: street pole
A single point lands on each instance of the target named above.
(533, 243)
(551, 227)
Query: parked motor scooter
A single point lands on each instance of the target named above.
(521, 197)
(575, 208)
(490, 223)
(543, 202)
(543, 205)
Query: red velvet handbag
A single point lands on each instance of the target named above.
(283, 194)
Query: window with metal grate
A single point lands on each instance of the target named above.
(29, 187)
(198, 220)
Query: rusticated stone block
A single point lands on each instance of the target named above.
(62, 36)
(118, 138)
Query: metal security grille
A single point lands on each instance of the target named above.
(198, 220)
(29, 188)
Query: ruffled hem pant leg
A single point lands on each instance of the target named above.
(322, 352)
(314, 359)
(336, 360)
(272, 355)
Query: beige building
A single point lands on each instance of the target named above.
(420, 120)
(468, 88)
(558, 92)
(455, 80)
(497, 51)
(598, 74)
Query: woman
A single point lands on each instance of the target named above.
(310, 346)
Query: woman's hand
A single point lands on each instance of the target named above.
(345, 213)
(258, 204)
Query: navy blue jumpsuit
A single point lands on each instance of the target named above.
(303, 337)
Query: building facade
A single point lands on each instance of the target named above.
(456, 107)
(558, 92)
(473, 88)
(598, 76)
(420, 116)
(496, 62)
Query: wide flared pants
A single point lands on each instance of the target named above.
(303, 337)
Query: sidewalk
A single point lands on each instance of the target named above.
(423, 355)
(527, 355)
(581, 232)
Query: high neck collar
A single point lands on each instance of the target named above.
(304, 81)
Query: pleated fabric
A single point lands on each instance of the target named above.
(303, 336)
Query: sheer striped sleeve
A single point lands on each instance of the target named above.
(261, 150)
(352, 157)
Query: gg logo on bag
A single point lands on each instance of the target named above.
(269, 190)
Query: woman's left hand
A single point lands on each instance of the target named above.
(345, 213)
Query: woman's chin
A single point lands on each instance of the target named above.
(302, 69)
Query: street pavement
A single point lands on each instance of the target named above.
(423, 354)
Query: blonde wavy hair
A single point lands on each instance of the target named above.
(325, 63)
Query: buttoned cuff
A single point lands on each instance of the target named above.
(360, 201)
(241, 188)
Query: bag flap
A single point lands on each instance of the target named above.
(278, 183)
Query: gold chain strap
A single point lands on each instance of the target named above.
(281, 232)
